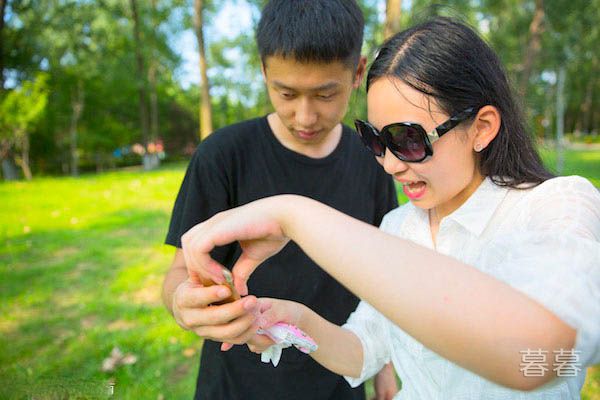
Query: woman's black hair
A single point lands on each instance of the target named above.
(447, 60)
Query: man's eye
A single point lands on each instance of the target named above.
(287, 95)
(328, 96)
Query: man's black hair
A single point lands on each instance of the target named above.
(321, 31)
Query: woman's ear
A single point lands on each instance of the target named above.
(486, 126)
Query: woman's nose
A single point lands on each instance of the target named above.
(392, 164)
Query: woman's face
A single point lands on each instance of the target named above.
(442, 182)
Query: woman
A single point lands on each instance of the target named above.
(487, 284)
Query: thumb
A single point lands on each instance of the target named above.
(241, 271)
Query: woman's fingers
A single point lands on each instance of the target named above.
(260, 343)
(242, 270)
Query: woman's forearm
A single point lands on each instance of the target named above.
(339, 351)
(455, 310)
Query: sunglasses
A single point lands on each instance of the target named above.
(406, 140)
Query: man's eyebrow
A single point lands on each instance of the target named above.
(326, 86)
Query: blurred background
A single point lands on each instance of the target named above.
(101, 105)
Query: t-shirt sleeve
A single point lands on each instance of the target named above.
(203, 192)
(556, 261)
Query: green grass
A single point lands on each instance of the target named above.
(81, 265)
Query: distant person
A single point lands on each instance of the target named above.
(486, 285)
(311, 62)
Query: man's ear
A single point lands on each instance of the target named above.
(361, 70)
(486, 125)
(263, 70)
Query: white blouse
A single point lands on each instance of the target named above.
(543, 241)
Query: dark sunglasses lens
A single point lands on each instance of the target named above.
(370, 138)
(408, 142)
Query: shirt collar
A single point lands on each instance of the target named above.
(475, 214)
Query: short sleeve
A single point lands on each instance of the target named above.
(372, 329)
(203, 192)
(556, 259)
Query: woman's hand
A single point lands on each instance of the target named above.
(272, 312)
(257, 228)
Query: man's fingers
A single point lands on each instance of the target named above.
(230, 331)
(218, 314)
(198, 296)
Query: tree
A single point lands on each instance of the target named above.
(205, 99)
(3, 4)
(393, 12)
(20, 110)
(141, 80)
(533, 48)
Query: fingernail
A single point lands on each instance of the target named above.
(222, 293)
(226, 346)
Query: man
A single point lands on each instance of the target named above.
(311, 62)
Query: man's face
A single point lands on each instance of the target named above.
(310, 99)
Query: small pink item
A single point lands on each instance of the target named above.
(285, 335)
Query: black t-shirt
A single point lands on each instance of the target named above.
(245, 162)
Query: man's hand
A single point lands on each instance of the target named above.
(233, 323)
(385, 383)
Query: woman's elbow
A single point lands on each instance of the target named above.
(545, 367)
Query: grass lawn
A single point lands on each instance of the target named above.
(81, 265)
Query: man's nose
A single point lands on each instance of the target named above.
(306, 114)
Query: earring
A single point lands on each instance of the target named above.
(478, 147)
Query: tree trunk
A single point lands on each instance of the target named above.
(9, 171)
(141, 81)
(23, 159)
(77, 109)
(536, 28)
(205, 101)
(155, 161)
(2, 10)
(393, 11)
(586, 106)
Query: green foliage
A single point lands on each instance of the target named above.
(88, 46)
(23, 107)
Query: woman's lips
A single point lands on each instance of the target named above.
(414, 190)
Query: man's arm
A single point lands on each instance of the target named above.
(385, 383)
(176, 275)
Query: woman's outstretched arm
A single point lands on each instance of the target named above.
(455, 310)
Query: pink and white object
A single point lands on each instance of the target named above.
(285, 335)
